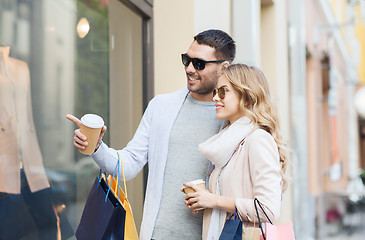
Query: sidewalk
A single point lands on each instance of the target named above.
(355, 236)
(356, 233)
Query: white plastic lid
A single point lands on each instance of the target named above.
(92, 121)
(196, 182)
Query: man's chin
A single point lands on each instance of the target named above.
(194, 89)
(199, 91)
(191, 87)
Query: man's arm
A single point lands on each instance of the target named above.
(134, 155)
(80, 140)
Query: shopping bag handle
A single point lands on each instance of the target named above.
(99, 178)
(235, 215)
(120, 162)
(111, 182)
(256, 201)
(117, 168)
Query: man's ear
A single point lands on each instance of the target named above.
(224, 64)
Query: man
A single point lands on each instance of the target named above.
(167, 138)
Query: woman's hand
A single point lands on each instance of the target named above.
(205, 199)
(200, 198)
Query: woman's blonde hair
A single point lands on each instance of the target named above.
(256, 103)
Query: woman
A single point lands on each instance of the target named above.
(247, 154)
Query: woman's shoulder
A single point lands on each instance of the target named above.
(259, 132)
(262, 146)
(259, 136)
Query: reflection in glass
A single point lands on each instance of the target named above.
(83, 27)
(68, 74)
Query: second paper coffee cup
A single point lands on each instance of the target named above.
(91, 125)
(200, 183)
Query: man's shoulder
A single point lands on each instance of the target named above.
(166, 104)
(172, 96)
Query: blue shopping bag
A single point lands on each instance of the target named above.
(103, 217)
(232, 229)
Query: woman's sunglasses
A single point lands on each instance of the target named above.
(198, 63)
(221, 92)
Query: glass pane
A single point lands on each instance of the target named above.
(67, 74)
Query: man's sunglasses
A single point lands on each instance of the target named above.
(221, 92)
(198, 63)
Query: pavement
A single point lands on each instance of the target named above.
(347, 233)
(345, 236)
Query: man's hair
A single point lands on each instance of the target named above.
(225, 47)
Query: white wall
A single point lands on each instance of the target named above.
(275, 64)
(173, 34)
(212, 14)
(246, 31)
(175, 24)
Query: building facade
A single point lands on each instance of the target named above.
(126, 52)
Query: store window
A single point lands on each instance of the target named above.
(60, 57)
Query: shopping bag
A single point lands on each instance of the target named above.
(103, 217)
(130, 232)
(251, 233)
(274, 232)
(100, 219)
(232, 229)
(280, 232)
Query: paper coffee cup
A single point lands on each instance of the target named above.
(200, 183)
(91, 125)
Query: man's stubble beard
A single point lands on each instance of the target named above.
(206, 88)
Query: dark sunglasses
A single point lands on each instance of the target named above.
(221, 92)
(198, 63)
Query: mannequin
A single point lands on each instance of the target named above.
(25, 194)
(16, 101)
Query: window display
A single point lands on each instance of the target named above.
(23, 182)
(46, 71)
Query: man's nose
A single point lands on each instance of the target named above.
(190, 68)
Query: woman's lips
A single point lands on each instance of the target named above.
(218, 106)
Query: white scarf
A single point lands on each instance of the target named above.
(219, 150)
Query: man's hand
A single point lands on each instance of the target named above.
(80, 140)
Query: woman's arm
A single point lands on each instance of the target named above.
(264, 166)
(204, 198)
